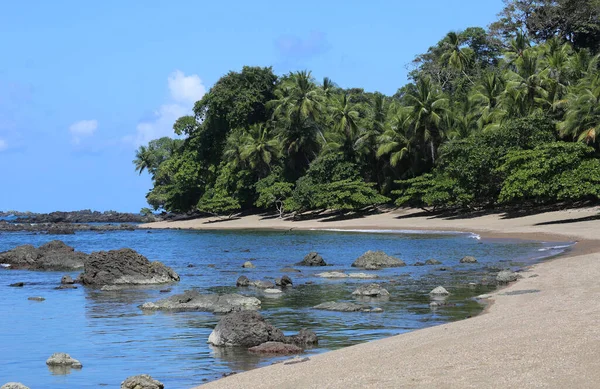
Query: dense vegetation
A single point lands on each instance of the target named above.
(499, 116)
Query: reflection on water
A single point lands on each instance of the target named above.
(115, 339)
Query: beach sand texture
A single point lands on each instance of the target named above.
(541, 332)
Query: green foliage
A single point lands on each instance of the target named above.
(428, 190)
(552, 172)
(145, 211)
(272, 192)
(217, 202)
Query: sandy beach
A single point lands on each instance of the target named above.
(541, 332)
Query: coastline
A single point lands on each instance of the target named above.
(540, 331)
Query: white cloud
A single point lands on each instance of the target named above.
(3, 144)
(82, 129)
(184, 91)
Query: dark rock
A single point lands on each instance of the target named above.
(245, 329)
(62, 287)
(66, 280)
(304, 338)
(377, 259)
(143, 381)
(191, 265)
(36, 298)
(192, 300)
(54, 255)
(468, 259)
(17, 285)
(418, 264)
(165, 290)
(242, 281)
(284, 281)
(125, 267)
(432, 262)
(346, 307)
(290, 270)
(59, 229)
(312, 259)
(276, 348)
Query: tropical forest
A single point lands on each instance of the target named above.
(490, 117)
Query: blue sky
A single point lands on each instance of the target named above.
(82, 84)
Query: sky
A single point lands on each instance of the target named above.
(83, 84)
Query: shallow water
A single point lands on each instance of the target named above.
(114, 339)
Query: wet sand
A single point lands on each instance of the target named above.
(541, 332)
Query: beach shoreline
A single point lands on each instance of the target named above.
(540, 331)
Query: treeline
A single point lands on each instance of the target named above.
(497, 116)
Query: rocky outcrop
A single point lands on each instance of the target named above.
(192, 300)
(125, 267)
(468, 259)
(242, 281)
(371, 290)
(346, 307)
(312, 259)
(63, 360)
(377, 260)
(143, 381)
(244, 329)
(439, 291)
(62, 228)
(278, 348)
(84, 216)
(506, 276)
(54, 255)
(13, 385)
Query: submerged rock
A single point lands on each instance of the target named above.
(192, 300)
(439, 291)
(362, 275)
(506, 276)
(377, 259)
(17, 285)
(276, 348)
(245, 329)
(63, 287)
(125, 267)
(262, 284)
(332, 274)
(432, 262)
(54, 255)
(468, 259)
(242, 281)
(14, 385)
(346, 307)
(63, 360)
(290, 270)
(312, 259)
(143, 381)
(371, 290)
(36, 298)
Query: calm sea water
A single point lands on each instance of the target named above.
(114, 339)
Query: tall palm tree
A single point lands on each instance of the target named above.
(232, 153)
(582, 119)
(143, 159)
(259, 149)
(394, 143)
(345, 125)
(456, 56)
(487, 95)
(428, 105)
(525, 88)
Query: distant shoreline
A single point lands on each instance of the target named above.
(539, 331)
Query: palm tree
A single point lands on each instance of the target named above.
(232, 153)
(143, 159)
(329, 88)
(487, 95)
(259, 149)
(517, 47)
(555, 76)
(428, 106)
(395, 140)
(525, 88)
(462, 121)
(456, 56)
(345, 126)
(582, 119)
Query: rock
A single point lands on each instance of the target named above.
(242, 281)
(312, 259)
(295, 360)
(13, 385)
(305, 337)
(17, 285)
(263, 284)
(276, 348)
(190, 265)
(506, 276)
(62, 287)
(248, 265)
(432, 262)
(36, 298)
(66, 280)
(439, 291)
(54, 255)
(440, 303)
(372, 290)
(60, 229)
(125, 267)
(345, 307)
(332, 274)
(468, 259)
(143, 381)
(64, 360)
(284, 281)
(377, 259)
(419, 264)
(192, 300)
(273, 291)
(245, 329)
